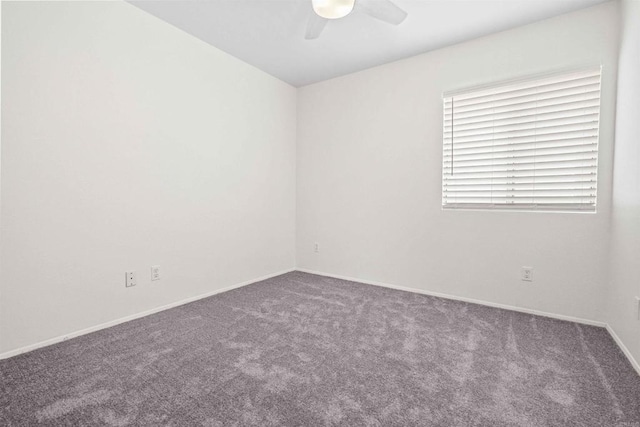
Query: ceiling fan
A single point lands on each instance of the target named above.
(324, 10)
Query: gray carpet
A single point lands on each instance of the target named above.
(305, 350)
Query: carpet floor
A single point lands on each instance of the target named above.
(306, 350)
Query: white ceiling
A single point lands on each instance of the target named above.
(269, 34)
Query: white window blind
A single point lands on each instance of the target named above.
(526, 145)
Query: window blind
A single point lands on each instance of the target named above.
(526, 145)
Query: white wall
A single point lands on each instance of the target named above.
(625, 220)
(369, 176)
(128, 143)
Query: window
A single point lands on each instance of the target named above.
(530, 145)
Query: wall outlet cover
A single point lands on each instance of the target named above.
(155, 272)
(130, 279)
(527, 274)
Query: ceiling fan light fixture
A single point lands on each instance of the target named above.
(333, 9)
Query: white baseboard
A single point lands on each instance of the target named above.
(615, 337)
(458, 298)
(111, 323)
(624, 349)
(51, 341)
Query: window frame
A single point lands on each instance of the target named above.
(525, 207)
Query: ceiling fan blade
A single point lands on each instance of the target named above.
(315, 26)
(384, 10)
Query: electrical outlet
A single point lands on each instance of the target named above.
(526, 274)
(638, 308)
(155, 272)
(130, 279)
(316, 247)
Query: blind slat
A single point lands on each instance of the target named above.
(506, 183)
(519, 155)
(505, 148)
(526, 198)
(524, 192)
(541, 88)
(507, 103)
(507, 87)
(528, 172)
(528, 112)
(512, 110)
(581, 121)
(521, 207)
(551, 139)
(588, 129)
(542, 180)
(527, 164)
(524, 119)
